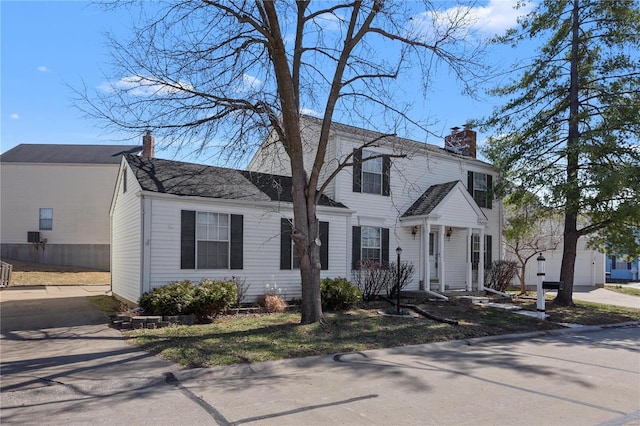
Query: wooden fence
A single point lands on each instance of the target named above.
(5, 274)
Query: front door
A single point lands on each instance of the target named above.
(433, 255)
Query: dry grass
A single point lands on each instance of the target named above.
(27, 273)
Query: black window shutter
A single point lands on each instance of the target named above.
(385, 246)
(355, 246)
(470, 183)
(357, 170)
(386, 175)
(187, 239)
(489, 192)
(613, 262)
(324, 245)
(237, 222)
(285, 243)
(488, 259)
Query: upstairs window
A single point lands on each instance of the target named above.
(480, 187)
(371, 176)
(46, 219)
(371, 173)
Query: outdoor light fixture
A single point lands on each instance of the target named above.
(541, 261)
(448, 234)
(398, 252)
(414, 231)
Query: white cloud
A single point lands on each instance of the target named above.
(491, 19)
(42, 68)
(329, 21)
(14, 116)
(249, 83)
(138, 85)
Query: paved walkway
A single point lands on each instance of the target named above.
(607, 297)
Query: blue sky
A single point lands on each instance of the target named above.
(51, 45)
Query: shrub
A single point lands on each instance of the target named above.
(242, 288)
(405, 273)
(211, 298)
(372, 278)
(339, 294)
(501, 274)
(175, 298)
(272, 303)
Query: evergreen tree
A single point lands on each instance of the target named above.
(570, 129)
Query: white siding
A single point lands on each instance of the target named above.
(423, 166)
(126, 228)
(261, 245)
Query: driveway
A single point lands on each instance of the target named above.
(62, 364)
(607, 297)
(76, 370)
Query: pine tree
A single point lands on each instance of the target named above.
(570, 129)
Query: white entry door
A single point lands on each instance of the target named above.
(433, 255)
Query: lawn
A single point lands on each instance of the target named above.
(27, 273)
(623, 289)
(262, 337)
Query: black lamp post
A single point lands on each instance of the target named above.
(398, 252)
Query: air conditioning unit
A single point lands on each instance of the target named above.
(33, 237)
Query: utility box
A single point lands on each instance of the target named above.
(33, 237)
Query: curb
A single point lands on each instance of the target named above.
(561, 332)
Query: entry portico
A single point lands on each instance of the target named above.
(446, 214)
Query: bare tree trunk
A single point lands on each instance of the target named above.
(522, 276)
(571, 234)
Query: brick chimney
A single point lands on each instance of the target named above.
(461, 142)
(148, 145)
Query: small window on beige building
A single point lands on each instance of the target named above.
(46, 219)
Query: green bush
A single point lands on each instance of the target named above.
(338, 294)
(211, 298)
(175, 298)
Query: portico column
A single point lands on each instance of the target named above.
(469, 259)
(481, 263)
(441, 262)
(426, 228)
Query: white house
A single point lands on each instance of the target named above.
(435, 203)
(55, 202)
(589, 268)
(174, 221)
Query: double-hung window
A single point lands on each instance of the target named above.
(212, 235)
(46, 219)
(371, 173)
(479, 186)
(211, 240)
(371, 244)
(289, 258)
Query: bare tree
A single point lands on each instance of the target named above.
(530, 229)
(207, 74)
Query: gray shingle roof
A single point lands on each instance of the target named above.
(430, 199)
(198, 180)
(84, 154)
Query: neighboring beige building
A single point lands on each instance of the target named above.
(54, 202)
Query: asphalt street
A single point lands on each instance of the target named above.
(80, 371)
